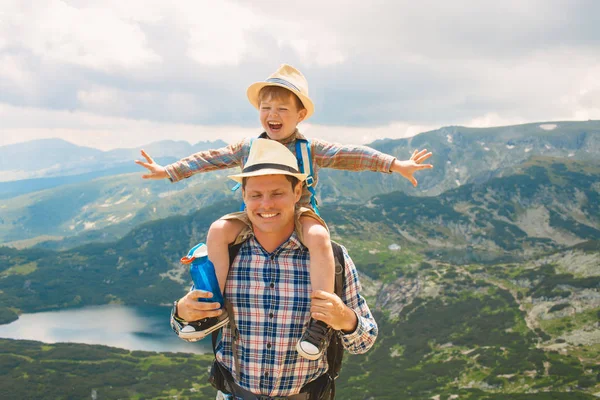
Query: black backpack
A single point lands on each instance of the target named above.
(335, 350)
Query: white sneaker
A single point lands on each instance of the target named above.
(314, 340)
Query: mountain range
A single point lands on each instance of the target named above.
(485, 288)
(46, 158)
(79, 208)
(545, 206)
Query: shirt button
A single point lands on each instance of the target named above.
(272, 285)
(272, 256)
(270, 315)
(266, 374)
(268, 346)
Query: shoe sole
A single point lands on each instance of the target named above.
(306, 355)
(201, 335)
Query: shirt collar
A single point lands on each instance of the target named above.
(291, 244)
(294, 136)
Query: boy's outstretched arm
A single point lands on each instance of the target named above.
(157, 171)
(408, 167)
(229, 156)
(363, 158)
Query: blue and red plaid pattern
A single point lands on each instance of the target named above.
(270, 297)
(324, 155)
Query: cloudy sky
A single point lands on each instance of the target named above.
(116, 73)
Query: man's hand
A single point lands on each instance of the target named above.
(157, 171)
(190, 309)
(329, 308)
(409, 167)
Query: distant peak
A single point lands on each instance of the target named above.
(51, 143)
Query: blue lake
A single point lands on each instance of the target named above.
(132, 328)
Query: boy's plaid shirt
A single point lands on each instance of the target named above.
(324, 155)
(270, 296)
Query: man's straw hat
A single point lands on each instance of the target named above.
(268, 157)
(287, 77)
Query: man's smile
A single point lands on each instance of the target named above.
(267, 215)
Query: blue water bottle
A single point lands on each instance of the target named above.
(203, 273)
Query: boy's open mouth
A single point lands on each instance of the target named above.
(275, 126)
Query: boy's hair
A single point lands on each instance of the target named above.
(292, 179)
(279, 93)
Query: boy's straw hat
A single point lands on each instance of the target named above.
(287, 77)
(268, 157)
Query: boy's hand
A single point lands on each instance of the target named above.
(409, 167)
(157, 171)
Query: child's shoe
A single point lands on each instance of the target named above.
(314, 340)
(197, 330)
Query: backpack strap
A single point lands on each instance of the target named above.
(335, 350)
(304, 159)
(233, 251)
(340, 268)
(234, 329)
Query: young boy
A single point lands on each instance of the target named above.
(283, 102)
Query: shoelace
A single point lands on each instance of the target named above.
(202, 321)
(317, 331)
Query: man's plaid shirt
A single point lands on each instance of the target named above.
(324, 155)
(270, 297)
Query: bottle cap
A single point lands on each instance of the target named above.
(198, 251)
(201, 251)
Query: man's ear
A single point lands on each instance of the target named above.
(298, 191)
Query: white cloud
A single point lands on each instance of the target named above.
(217, 31)
(103, 100)
(492, 119)
(586, 114)
(324, 53)
(396, 65)
(16, 76)
(87, 129)
(585, 101)
(92, 37)
(110, 101)
(107, 132)
(364, 135)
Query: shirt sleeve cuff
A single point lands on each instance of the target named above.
(386, 163)
(171, 171)
(358, 332)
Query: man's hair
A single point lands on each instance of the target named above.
(292, 179)
(279, 93)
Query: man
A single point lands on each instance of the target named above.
(269, 290)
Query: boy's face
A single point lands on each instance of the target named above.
(279, 116)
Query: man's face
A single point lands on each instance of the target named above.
(280, 116)
(270, 203)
